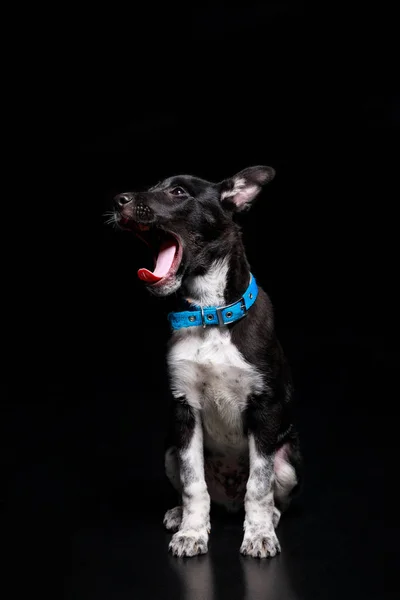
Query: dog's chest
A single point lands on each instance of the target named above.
(208, 369)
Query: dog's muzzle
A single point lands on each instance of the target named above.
(139, 211)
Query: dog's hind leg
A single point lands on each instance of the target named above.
(173, 519)
(173, 516)
(287, 465)
(171, 463)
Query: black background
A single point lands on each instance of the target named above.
(209, 91)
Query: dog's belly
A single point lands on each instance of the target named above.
(226, 450)
(226, 478)
(225, 445)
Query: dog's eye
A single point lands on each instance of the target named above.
(177, 191)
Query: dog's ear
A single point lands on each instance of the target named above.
(239, 191)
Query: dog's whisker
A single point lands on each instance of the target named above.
(112, 219)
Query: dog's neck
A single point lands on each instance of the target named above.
(223, 283)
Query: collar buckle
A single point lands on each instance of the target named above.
(219, 315)
(202, 317)
(243, 306)
(219, 311)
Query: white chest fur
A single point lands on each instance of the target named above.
(208, 369)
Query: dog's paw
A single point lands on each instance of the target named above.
(173, 518)
(260, 544)
(189, 543)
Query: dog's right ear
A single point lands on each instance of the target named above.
(239, 191)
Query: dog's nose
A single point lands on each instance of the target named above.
(123, 199)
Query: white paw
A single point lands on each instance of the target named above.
(260, 544)
(189, 543)
(173, 518)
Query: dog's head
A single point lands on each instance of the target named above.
(187, 222)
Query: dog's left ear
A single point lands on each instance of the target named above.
(239, 191)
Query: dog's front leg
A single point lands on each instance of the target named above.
(260, 539)
(192, 537)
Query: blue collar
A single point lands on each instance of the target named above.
(211, 315)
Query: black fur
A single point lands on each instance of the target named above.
(182, 422)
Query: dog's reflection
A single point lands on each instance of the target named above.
(267, 579)
(196, 577)
(251, 579)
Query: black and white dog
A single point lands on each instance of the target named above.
(232, 438)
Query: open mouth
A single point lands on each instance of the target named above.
(165, 247)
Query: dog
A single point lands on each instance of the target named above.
(232, 439)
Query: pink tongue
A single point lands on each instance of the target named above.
(164, 262)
